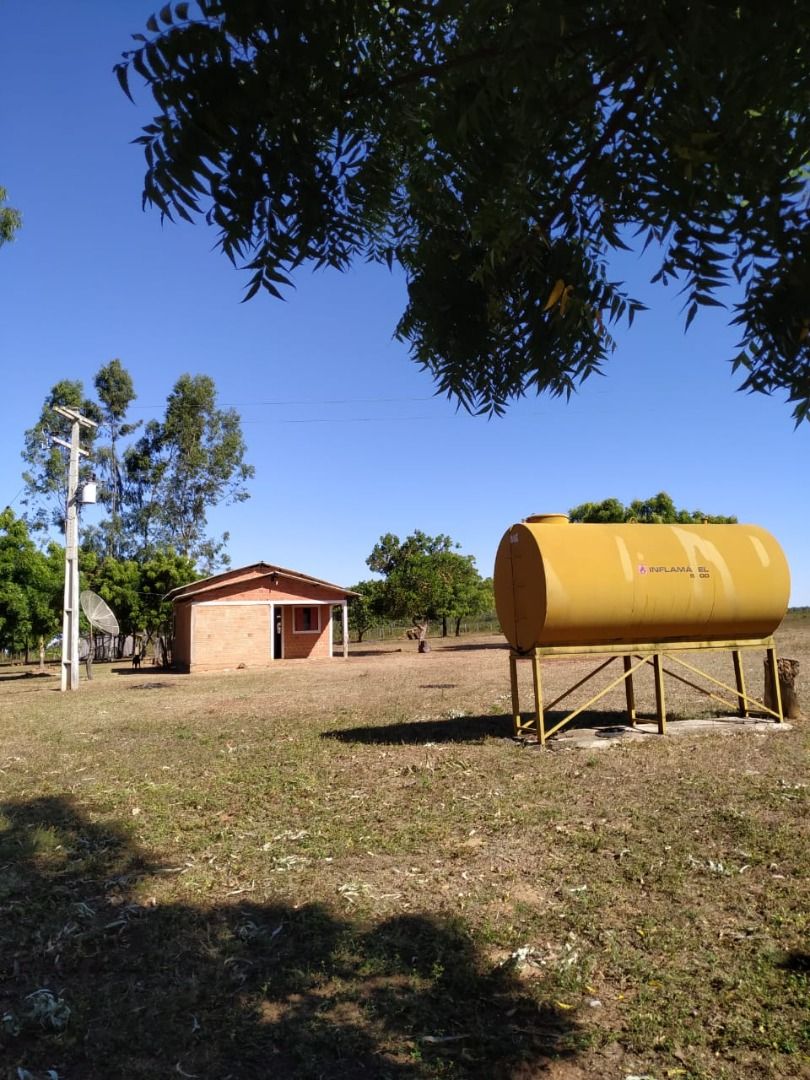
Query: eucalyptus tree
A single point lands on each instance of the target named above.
(499, 151)
(182, 466)
(46, 473)
(159, 488)
(116, 393)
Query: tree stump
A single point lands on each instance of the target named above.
(788, 671)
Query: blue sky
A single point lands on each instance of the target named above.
(345, 434)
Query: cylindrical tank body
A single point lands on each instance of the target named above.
(580, 584)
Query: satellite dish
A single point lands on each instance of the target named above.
(98, 613)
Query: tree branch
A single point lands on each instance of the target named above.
(434, 70)
(617, 118)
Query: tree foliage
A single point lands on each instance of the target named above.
(135, 590)
(118, 582)
(158, 489)
(498, 152)
(390, 553)
(31, 586)
(164, 571)
(46, 475)
(658, 510)
(425, 579)
(116, 393)
(182, 466)
(367, 608)
(441, 586)
(10, 219)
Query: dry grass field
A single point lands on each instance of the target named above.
(350, 869)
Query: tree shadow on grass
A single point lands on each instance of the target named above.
(796, 962)
(95, 984)
(441, 730)
(27, 674)
(147, 669)
(477, 647)
(375, 652)
(477, 728)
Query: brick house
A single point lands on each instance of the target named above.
(254, 615)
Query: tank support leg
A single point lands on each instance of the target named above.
(660, 700)
(515, 694)
(538, 699)
(629, 692)
(773, 669)
(739, 675)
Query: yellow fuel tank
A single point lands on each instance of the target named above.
(558, 583)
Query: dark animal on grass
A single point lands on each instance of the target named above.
(136, 660)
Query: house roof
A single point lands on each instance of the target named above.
(255, 570)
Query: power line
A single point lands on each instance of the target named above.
(345, 420)
(308, 401)
(12, 501)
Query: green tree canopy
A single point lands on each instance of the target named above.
(46, 475)
(164, 571)
(136, 590)
(425, 578)
(440, 586)
(116, 393)
(367, 608)
(499, 151)
(158, 489)
(118, 582)
(182, 466)
(10, 219)
(31, 586)
(390, 553)
(658, 510)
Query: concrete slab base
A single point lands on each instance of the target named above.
(602, 738)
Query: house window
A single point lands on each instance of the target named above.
(307, 620)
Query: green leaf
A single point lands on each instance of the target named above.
(122, 73)
(490, 158)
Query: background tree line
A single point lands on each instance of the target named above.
(32, 586)
(426, 578)
(156, 483)
(156, 488)
(657, 510)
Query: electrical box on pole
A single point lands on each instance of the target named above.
(70, 617)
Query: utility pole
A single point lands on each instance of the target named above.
(70, 618)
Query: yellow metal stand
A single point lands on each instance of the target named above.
(635, 657)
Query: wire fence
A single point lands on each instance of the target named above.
(109, 648)
(391, 631)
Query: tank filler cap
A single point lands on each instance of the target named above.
(547, 519)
